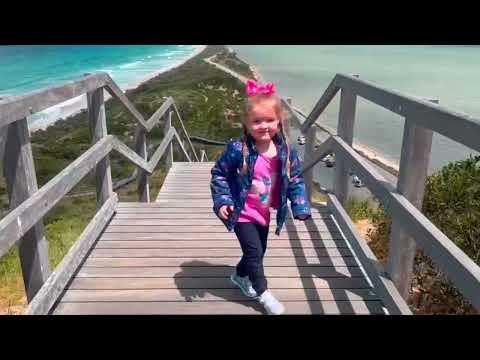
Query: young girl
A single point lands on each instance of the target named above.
(253, 174)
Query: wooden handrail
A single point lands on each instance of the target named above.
(422, 117)
(19, 107)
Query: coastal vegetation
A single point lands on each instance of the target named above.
(452, 203)
(210, 103)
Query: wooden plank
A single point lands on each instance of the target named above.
(321, 104)
(19, 107)
(143, 188)
(210, 236)
(453, 262)
(201, 229)
(184, 197)
(224, 261)
(21, 181)
(60, 277)
(155, 205)
(193, 216)
(98, 130)
(19, 221)
(214, 271)
(148, 295)
(459, 127)
(346, 123)
(238, 307)
(197, 224)
(416, 148)
(178, 244)
(215, 252)
(384, 286)
(217, 283)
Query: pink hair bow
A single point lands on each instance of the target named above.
(254, 88)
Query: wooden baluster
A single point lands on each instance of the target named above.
(346, 122)
(169, 154)
(19, 171)
(98, 130)
(416, 148)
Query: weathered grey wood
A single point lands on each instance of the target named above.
(185, 132)
(453, 262)
(220, 228)
(142, 176)
(416, 148)
(19, 221)
(323, 150)
(215, 271)
(311, 139)
(118, 94)
(185, 262)
(137, 160)
(19, 170)
(346, 122)
(18, 107)
(148, 125)
(193, 222)
(181, 145)
(204, 156)
(322, 103)
(131, 155)
(222, 307)
(319, 235)
(462, 128)
(341, 252)
(166, 129)
(60, 277)
(148, 295)
(215, 243)
(98, 130)
(157, 155)
(384, 287)
(185, 216)
(218, 283)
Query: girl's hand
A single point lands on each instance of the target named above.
(225, 211)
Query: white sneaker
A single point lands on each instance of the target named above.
(271, 304)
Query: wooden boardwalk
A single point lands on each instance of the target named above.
(174, 256)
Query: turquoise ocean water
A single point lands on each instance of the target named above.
(450, 74)
(28, 68)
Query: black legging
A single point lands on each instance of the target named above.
(253, 240)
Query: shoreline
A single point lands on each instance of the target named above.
(371, 154)
(76, 105)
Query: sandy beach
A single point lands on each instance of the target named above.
(74, 106)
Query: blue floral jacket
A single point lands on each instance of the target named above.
(229, 187)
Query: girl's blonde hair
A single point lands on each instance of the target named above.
(282, 116)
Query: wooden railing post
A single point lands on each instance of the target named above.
(307, 158)
(142, 176)
(346, 122)
(98, 130)
(19, 171)
(416, 148)
(169, 154)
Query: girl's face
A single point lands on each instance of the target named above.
(262, 122)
